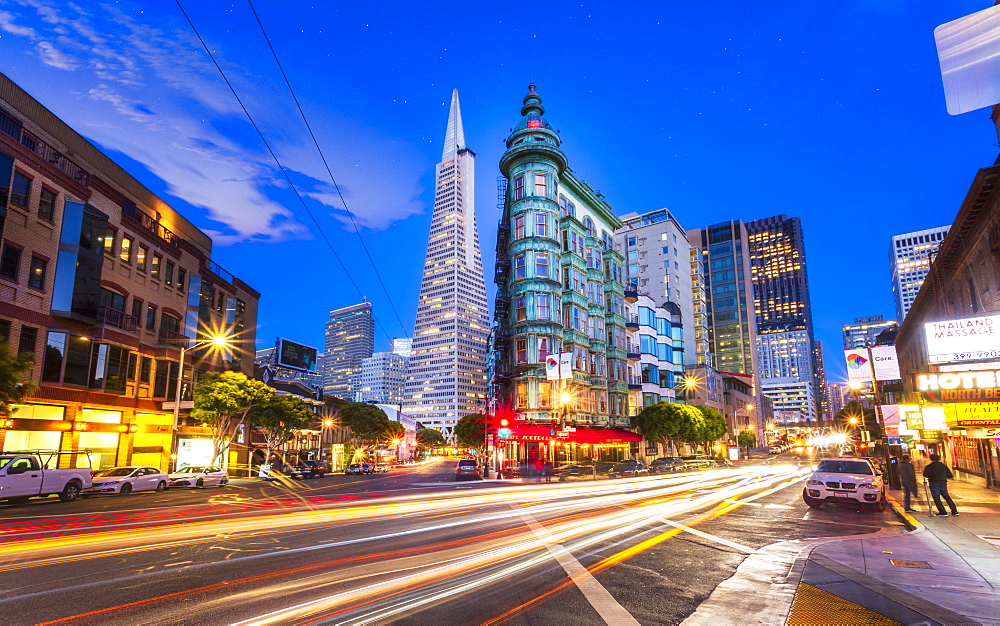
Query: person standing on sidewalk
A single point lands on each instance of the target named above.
(908, 478)
(937, 474)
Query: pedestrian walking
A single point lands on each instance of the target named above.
(908, 478)
(937, 474)
(539, 469)
(549, 470)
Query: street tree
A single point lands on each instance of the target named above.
(713, 426)
(367, 422)
(669, 423)
(863, 419)
(429, 438)
(280, 417)
(746, 439)
(15, 370)
(394, 431)
(222, 401)
(470, 430)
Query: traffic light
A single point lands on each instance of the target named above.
(504, 430)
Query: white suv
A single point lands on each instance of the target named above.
(845, 480)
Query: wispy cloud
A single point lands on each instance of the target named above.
(144, 86)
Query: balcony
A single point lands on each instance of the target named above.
(107, 316)
(631, 291)
(12, 127)
(172, 338)
(631, 321)
(501, 270)
(634, 381)
(632, 352)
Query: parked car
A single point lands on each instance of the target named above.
(359, 468)
(198, 476)
(850, 480)
(774, 450)
(125, 480)
(697, 462)
(308, 469)
(721, 462)
(666, 465)
(628, 469)
(467, 469)
(26, 475)
(381, 468)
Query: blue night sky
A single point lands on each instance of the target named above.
(832, 112)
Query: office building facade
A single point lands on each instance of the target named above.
(105, 283)
(350, 338)
(447, 369)
(864, 330)
(381, 379)
(910, 257)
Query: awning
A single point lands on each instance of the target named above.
(531, 432)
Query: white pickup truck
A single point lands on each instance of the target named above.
(26, 475)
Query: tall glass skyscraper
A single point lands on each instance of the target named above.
(910, 256)
(350, 337)
(447, 371)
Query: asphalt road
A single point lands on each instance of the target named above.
(409, 547)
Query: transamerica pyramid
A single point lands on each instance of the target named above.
(447, 369)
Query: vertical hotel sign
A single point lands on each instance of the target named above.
(969, 339)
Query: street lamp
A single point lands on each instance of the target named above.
(215, 341)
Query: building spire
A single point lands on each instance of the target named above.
(454, 137)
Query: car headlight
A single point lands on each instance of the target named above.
(818, 483)
(867, 486)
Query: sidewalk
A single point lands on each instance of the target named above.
(946, 571)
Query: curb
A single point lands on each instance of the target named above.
(908, 520)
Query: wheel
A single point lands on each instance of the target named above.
(223, 482)
(161, 486)
(200, 482)
(70, 492)
(881, 505)
(125, 489)
(813, 502)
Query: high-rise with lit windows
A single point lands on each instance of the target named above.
(783, 314)
(910, 256)
(447, 369)
(350, 338)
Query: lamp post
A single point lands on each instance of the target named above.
(218, 342)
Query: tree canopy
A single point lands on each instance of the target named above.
(669, 423)
(15, 369)
(747, 438)
(470, 430)
(866, 419)
(369, 424)
(712, 427)
(222, 401)
(429, 438)
(279, 417)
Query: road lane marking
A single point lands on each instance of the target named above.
(595, 593)
(704, 535)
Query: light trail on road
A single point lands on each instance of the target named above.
(359, 561)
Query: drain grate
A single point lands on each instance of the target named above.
(912, 564)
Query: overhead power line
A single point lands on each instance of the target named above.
(326, 165)
(275, 157)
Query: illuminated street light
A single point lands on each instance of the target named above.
(217, 341)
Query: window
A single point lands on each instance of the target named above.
(544, 394)
(145, 369)
(109, 242)
(541, 265)
(137, 309)
(519, 270)
(519, 227)
(5, 331)
(125, 249)
(46, 204)
(26, 342)
(151, 317)
(519, 187)
(542, 310)
(10, 262)
(36, 277)
(20, 189)
(543, 349)
(588, 224)
(154, 268)
(520, 311)
(630, 241)
(140, 258)
(541, 188)
(541, 225)
(522, 351)
(181, 279)
(169, 277)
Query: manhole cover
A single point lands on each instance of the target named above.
(913, 564)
